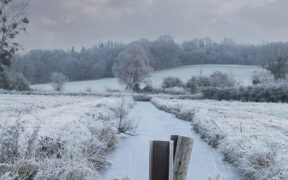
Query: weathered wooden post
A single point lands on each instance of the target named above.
(161, 160)
(182, 154)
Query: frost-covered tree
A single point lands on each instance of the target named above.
(13, 21)
(132, 67)
(166, 53)
(58, 81)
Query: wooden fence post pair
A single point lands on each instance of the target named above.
(169, 160)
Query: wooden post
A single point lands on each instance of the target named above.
(182, 154)
(161, 160)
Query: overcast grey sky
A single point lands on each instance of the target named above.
(66, 23)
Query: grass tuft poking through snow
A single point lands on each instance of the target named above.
(252, 136)
(63, 137)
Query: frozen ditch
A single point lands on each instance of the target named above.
(131, 158)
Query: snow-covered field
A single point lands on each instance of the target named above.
(252, 136)
(241, 73)
(56, 136)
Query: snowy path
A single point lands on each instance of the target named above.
(131, 158)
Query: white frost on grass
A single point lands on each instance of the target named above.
(56, 137)
(252, 136)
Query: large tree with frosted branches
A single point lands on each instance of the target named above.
(132, 66)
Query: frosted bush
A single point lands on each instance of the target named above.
(217, 79)
(201, 81)
(271, 92)
(192, 85)
(13, 81)
(58, 81)
(171, 82)
(171, 91)
(262, 76)
(9, 141)
(124, 124)
(49, 148)
(220, 79)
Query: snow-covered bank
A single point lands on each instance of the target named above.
(56, 137)
(131, 158)
(241, 73)
(252, 136)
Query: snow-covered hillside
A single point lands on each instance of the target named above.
(56, 136)
(241, 73)
(252, 136)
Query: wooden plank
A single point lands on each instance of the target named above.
(174, 138)
(161, 160)
(182, 156)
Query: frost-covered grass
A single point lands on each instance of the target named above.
(56, 137)
(241, 73)
(252, 136)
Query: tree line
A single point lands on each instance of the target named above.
(98, 61)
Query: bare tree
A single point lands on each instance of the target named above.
(58, 81)
(132, 67)
(125, 125)
(13, 20)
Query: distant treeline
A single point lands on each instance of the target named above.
(97, 61)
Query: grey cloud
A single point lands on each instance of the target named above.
(66, 23)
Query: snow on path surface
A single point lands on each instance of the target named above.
(253, 136)
(131, 158)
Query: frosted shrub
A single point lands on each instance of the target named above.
(19, 83)
(124, 123)
(262, 76)
(13, 81)
(171, 82)
(202, 81)
(58, 81)
(107, 135)
(148, 87)
(71, 167)
(49, 148)
(171, 91)
(9, 142)
(259, 93)
(217, 79)
(175, 91)
(192, 85)
(220, 79)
